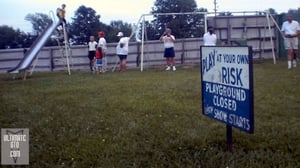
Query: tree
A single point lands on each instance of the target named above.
(39, 22)
(294, 11)
(7, 36)
(10, 38)
(151, 33)
(117, 26)
(183, 26)
(272, 11)
(85, 23)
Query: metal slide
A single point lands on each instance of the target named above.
(31, 54)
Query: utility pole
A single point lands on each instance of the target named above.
(215, 7)
(215, 10)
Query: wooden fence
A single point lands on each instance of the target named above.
(247, 30)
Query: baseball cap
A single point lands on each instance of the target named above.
(101, 33)
(120, 34)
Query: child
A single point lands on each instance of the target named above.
(61, 14)
(92, 51)
(99, 61)
(102, 44)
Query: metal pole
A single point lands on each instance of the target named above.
(271, 38)
(34, 64)
(205, 22)
(277, 26)
(142, 49)
(66, 48)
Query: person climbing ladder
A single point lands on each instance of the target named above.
(61, 14)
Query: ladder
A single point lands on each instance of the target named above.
(64, 48)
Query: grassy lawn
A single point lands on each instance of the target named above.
(149, 119)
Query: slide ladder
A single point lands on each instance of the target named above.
(65, 50)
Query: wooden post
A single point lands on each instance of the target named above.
(229, 137)
(183, 51)
(138, 57)
(51, 60)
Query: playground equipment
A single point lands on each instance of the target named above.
(253, 28)
(141, 22)
(64, 48)
(31, 56)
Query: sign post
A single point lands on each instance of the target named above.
(229, 137)
(227, 87)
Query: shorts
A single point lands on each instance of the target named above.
(169, 52)
(99, 61)
(291, 43)
(91, 55)
(122, 57)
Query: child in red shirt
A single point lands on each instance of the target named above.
(99, 62)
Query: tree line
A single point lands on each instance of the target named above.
(86, 22)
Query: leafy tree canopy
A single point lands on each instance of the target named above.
(183, 26)
(85, 23)
(11, 38)
(39, 21)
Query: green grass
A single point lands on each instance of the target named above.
(149, 119)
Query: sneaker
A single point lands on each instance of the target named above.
(174, 68)
(168, 68)
(289, 64)
(294, 64)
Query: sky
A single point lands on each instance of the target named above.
(13, 12)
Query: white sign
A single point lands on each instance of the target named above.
(227, 85)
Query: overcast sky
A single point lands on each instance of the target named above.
(13, 12)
